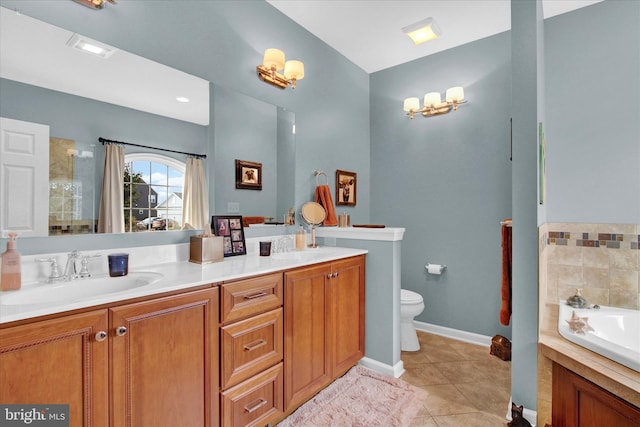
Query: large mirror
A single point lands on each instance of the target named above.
(65, 89)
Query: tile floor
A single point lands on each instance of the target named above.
(464, 384)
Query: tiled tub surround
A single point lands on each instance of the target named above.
(608, 274)
(601, 259)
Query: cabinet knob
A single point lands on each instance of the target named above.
(101, 336)
(121, 331)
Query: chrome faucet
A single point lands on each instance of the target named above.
(70, 268)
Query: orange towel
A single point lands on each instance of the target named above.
(323, 196)
(248, 220)
(505, 309)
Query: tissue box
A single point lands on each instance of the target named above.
(205, 250)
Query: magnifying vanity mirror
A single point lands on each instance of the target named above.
(313, 214)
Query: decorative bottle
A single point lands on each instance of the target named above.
(301, 239)
(10, 276)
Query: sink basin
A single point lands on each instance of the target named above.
(79, 289)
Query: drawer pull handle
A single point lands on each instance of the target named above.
(255, 405)
(121, 331)
(253, 345)
(258, 295)
(101, 336)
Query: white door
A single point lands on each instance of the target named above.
(24, 178)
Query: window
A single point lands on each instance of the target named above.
(152, 192)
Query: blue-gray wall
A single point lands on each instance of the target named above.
(526, 30)
(244, 129)
(593, 114)
(447, 179)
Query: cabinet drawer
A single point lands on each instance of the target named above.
(250, 346)
(245, 298)
(255, 402)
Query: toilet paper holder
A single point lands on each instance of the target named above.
(435, 268)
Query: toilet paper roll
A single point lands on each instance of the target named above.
(435, 268)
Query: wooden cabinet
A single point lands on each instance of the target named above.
(58, 361)
(323, 327)
(251, 351)
(143, 364)
(276, 340)
(164, 364)
(577, 402)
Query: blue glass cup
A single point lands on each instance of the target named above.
(118, 265)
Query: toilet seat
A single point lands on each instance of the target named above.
(410, 297)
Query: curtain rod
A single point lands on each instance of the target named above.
(104, 140)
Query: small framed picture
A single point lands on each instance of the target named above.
(230, 228)
(346, 188)
(248, 175)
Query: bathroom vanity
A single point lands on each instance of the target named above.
(240, 342)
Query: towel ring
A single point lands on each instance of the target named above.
(318, 173)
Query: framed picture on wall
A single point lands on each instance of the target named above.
(230, 228)
(248, 175)
(346, 188)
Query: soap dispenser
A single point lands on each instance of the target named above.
(10, 275)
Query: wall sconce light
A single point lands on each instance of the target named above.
(94, 4)
(423, 31)
(273, 62)
(433, 105)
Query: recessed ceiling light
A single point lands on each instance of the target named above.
(182, 99)
(423, 31)
(85, 44)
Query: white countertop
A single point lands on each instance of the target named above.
(177, 275)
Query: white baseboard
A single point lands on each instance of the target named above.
(382, 368)
(456, 334)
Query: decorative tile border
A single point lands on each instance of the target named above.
(593, 240)
(601, 259)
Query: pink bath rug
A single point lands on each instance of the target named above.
(361, 398)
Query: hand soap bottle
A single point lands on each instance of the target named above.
(10, 275)
(301, 239)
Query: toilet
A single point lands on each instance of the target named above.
(411, 305)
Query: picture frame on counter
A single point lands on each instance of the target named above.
(346, 187)
(231, 229)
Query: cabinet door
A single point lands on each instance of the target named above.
(165, 361)
(58, 361)
(580, 403)
(306, 368)
(345, 315)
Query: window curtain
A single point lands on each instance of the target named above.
(111, 214)
(195, 202)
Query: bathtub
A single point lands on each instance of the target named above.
(609, 331)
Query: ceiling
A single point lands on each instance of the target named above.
(36, 53)
(369, 32)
